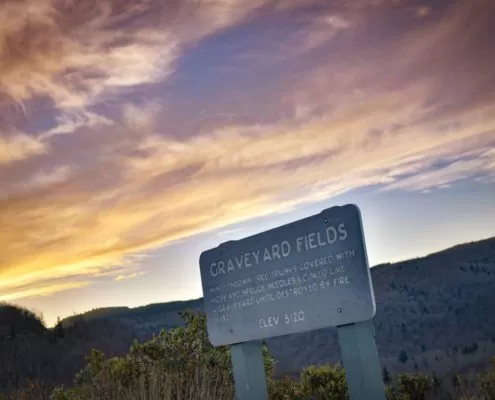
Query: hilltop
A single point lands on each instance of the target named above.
(144, 321)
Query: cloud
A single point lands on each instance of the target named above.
(129, 276)
(252, 132)
(456, 167)
(54, 176)
(80, 52)
(40, 290)
(74, 52)
(18, 146)
(69, 122)
(75, 229)
(230, 231)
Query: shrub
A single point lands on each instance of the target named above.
(285, 388)
(409, 387)
(325, 382)
(487, 383)
(416, 386)
(176, 364)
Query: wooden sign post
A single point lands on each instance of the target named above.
(306, 275)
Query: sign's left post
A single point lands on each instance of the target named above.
(249, 371)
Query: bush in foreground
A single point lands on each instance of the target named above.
(324, 382)
(176, 364)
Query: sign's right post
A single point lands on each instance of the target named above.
(361, 362)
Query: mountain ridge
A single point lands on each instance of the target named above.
(195, 303)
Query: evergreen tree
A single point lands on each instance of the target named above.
(403, 356)
(59, 329)
(386, 376)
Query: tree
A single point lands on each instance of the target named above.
(456, 380)
(403, 357)
(386, 376)
(59, 329)
(416, 386)
(13, 331)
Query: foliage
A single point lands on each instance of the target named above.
(284, 388)
(403, 357)
(324, 383)
(468, 349)
(182, 364)
(479, 387)
(487, 382)
(386, 376)
(410, 387)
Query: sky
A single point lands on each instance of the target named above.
(135, 134)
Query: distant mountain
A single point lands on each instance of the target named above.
(102, 312)
(31, 353)
(434, 313)
(143, 321)
(16, 321)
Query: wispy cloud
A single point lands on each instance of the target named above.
(79, 52)
(74, 53)
(369, 100)
(230, 231)
(69, 122)
(18, 146)
(456, 166)
(40, 290)
(129, 276)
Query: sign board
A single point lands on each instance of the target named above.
(306, 275)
